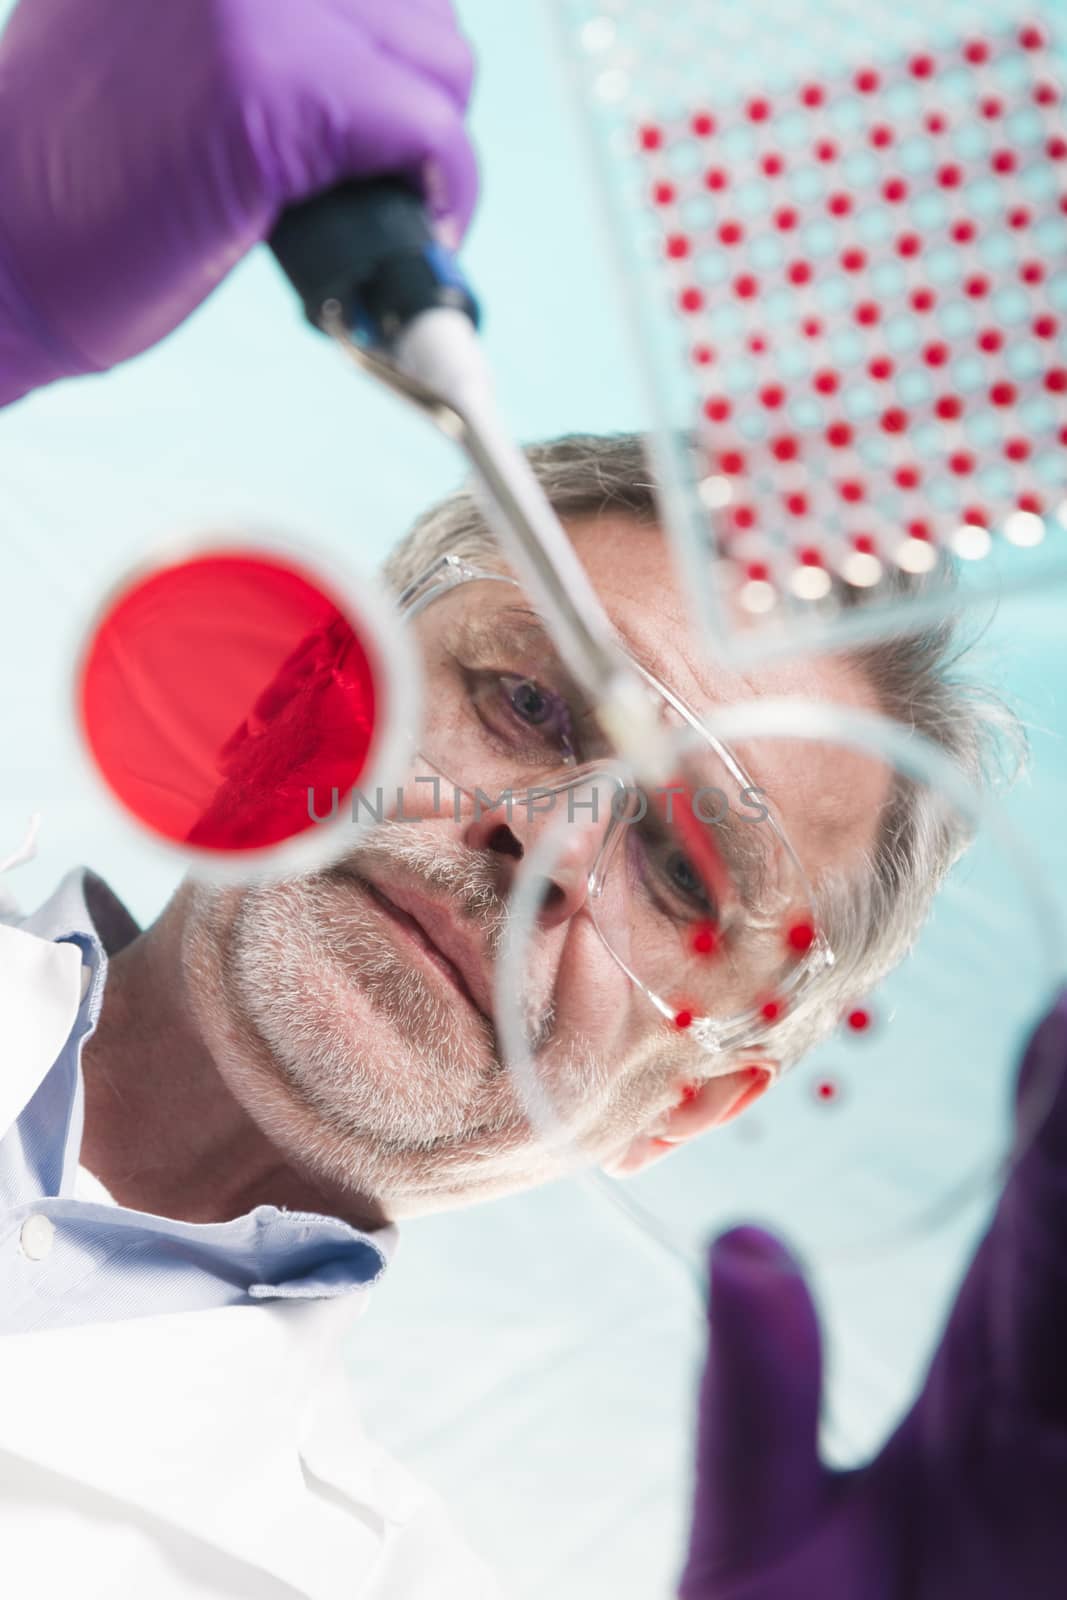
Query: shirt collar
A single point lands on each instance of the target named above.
(299, 1254)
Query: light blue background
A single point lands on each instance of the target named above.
(530, 1358)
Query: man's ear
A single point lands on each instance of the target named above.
(710, 1106)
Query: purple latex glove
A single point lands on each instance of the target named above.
(968, 1499)
(147, 145)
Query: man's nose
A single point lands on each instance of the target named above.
(509, 830)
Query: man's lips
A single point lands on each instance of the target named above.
(430, 926)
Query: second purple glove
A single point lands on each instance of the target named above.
(967, 1499)
(147, 145)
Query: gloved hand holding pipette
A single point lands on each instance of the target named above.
(145, 149)
(966, 1499)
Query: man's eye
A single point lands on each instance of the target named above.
(672, 880)
(523, 714)
(683, 876)
(529, 701)
(686, 884)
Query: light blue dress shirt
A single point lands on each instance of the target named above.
(104, 1263)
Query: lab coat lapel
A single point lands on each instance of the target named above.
(195, 1417)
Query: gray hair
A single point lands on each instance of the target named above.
(873, 918)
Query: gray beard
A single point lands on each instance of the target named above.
(288, 939)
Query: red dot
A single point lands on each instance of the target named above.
(867, 313)
(1032, 503)
(839, 435)
(746, 286)
(921, 66)
(796, 505)
(920, 529)
(1046, 94)
(1062, 436)
(935, 354)
(1003, 161)
(864, 544)
(772, 396)
(934, 122)
(839, 204)
(1017, 449)
(1045, 327)
(703, 124)
(732, 462)
(895, 420)
(1002, 394)
(785, 218)
(703, 354)
(715, 179)
(867, 80)
(950, 176)
(991, 106)
(800, 937)
(757, 345)
(826, 150)
(758, 110)
(650, 138)
(990, 340)
(811, 327)
(1056, 380)
(677, 247)
(706, 942)
(731, 233)
(771, 1010)
(1018, 217)
(717, 408)
(773, 165)
(799, 272)
(853, 260)
(976, 515)
(1056, 148)
(880, 136)
(785, 447)
(858, 1019)
(810, 556)
(880, 368)
(1031, 38)
(977, 286)
(826, 381)
(909, 244)
(949, 407)
(812, 94)
(907, 477)
(894, 190)
(664, 194)
(976, 51)
(1062, 203)
(683, 1019)
(691, 300)
(744, 517)
(1032, 272)
(961, 462)
(964, 231)
(757, 572)
(851, 489)
(826, 1090)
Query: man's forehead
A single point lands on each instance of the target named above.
(829, 795)
(630, 564)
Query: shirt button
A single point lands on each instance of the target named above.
(36, 1237)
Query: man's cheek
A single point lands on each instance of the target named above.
(593, 996)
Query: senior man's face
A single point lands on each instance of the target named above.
(356, 1001)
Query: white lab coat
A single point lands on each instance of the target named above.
(210, 1453)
